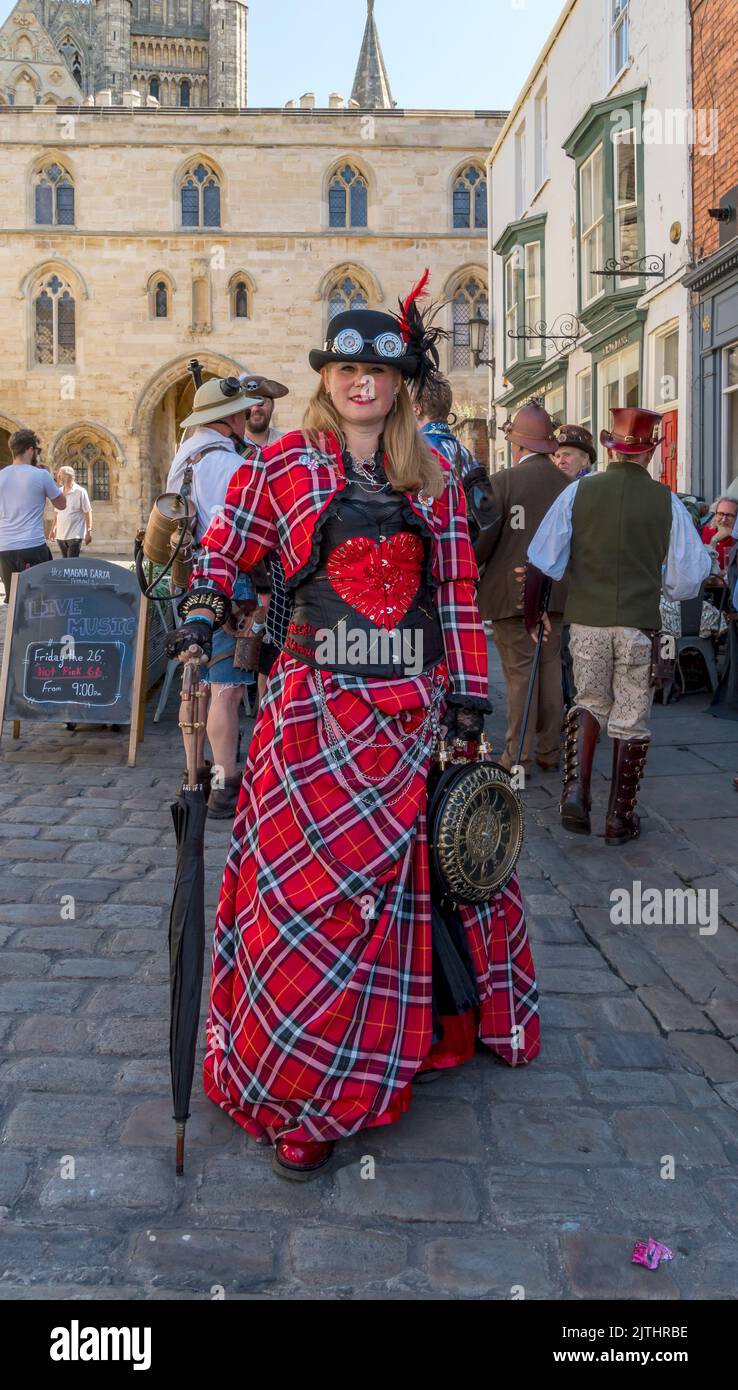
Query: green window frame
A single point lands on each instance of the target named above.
(522, 248)
(610, 201)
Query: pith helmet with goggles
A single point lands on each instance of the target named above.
(217, 399)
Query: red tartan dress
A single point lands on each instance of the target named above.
(320, 1006)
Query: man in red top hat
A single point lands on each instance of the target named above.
(620, 537)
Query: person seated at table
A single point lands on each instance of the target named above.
(719, 537)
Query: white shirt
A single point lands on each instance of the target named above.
(23, 493)
(70, 524)
(687, 565)
(210, 476)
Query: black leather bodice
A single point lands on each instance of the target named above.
(373, 552)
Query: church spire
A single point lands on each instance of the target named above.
(371, 84)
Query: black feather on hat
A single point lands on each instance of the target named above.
(420, 338)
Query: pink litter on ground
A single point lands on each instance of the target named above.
(650, 1253)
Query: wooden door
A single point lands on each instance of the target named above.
(668, 473)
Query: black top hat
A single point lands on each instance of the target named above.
(405, 340)
(365, 335)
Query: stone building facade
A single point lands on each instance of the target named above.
(133, 241)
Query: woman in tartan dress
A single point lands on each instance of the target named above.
(321, 1004)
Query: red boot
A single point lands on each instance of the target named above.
(301, 1160)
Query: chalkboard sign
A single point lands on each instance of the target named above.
(74, 645)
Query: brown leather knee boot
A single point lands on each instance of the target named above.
(580, 740)
(628, 761)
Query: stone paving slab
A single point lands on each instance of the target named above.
(538, 1179)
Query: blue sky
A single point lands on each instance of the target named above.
(459, 54)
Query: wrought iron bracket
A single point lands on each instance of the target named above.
(649, 267)
(564, 333)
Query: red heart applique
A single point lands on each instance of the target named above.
(378, 578)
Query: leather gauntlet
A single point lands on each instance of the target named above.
(197, 632)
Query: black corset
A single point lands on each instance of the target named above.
(374, 552)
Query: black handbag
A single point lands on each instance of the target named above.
(475, 828)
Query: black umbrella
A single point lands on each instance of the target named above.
(187, 916)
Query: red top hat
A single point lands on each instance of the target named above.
(634, 431)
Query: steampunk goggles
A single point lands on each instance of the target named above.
(349, 343)
(231, 386)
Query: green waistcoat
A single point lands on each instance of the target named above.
(621, 523)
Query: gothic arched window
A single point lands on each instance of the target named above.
(94, 460)
(347, 198)
(470, 199)
(54, 323)
(72, 57)
(469, 301)
(184, 93)
(53, 197)
(200, 197)
(161, 300)
(154, 87)
(346, 294)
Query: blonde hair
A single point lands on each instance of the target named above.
(411, 467)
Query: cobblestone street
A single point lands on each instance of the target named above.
(498, 1184)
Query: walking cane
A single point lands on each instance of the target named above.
(545, 595)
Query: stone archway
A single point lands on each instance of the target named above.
(161, 407)
(8, 426)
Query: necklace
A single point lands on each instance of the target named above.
(366, 473)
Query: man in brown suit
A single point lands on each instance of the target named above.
(523, 495)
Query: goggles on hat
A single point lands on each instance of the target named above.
(350, 343)
(231, 386)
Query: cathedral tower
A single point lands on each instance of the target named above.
(228, 53)
(112, 46)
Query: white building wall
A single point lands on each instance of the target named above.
(575, 71)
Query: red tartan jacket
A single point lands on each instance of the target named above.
(274, 502)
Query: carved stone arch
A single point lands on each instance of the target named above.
(212, 363)
(456, 277)
(163, 402)
(19, 82)
(63, 268)
(24, 49)
(8, 426)
(98, 460)
(360, 272)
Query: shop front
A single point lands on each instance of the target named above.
(715, 373)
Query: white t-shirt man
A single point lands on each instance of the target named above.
(71, 524)
(23, 493)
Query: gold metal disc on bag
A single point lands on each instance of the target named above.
(475, 829)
